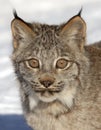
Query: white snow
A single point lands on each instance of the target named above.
(45, 11)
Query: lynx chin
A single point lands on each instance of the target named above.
(59, 74)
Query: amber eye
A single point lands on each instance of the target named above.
(62, 63)
(33, 63)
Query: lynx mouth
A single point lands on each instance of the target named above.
(50, 90)
(48, 94)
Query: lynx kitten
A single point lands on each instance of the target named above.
(59, 75)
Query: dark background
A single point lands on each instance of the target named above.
(13, 122)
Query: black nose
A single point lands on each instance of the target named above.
(46, 83)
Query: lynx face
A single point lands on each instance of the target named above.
(48, 78)
(46, 58)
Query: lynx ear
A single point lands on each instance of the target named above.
(75, 28)
(21, 31)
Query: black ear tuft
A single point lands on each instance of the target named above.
(15, 14)
(79, 14)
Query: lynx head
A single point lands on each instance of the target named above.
(47, 58)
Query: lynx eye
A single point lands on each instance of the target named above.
(33, 63)
(62, 64)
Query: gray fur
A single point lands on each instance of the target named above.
(73, 101)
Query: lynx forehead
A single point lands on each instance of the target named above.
(59, 75)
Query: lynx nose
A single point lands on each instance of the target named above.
(47, 81)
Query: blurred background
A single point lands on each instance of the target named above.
(44, 11)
